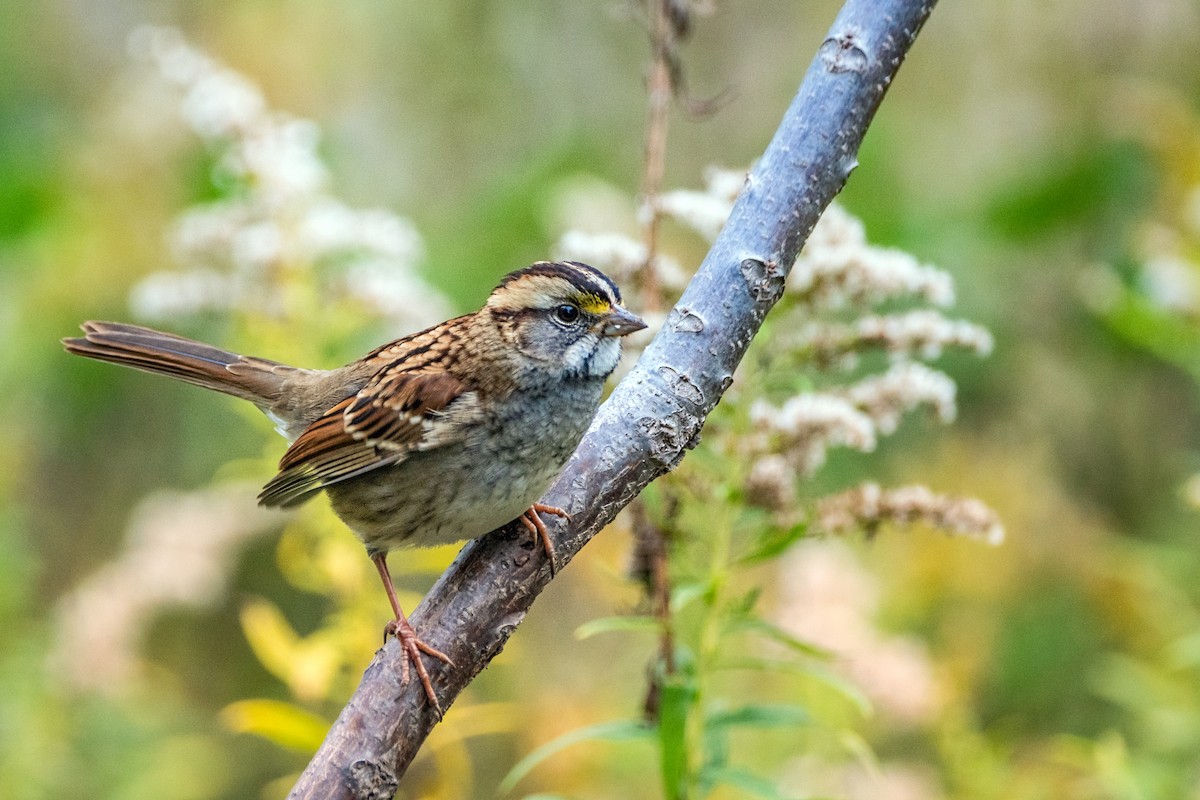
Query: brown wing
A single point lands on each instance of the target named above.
(399, 411)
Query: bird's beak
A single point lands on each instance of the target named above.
(620, 322)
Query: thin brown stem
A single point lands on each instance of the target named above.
(650, 539)
(652, 567)
(659, 91)
(662, 596)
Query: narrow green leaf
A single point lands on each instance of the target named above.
(716, 748)
(769, 630)
(845, 689)
(759, 716)
(861, 749)
(772, 543)
(675, 704)
(743, 780)
(611, 624)
(742, 606)
(684, 593)
(1170, 337)
(616, 731)
(719, 724)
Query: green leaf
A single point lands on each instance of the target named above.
(611, 624)
(282, 723)
(675, 704)
(748, 782)
(743, 780)
(718, 725)
(684, 593)
(1170, 337)
(716, 749)
(858, 747)
(758, 716)
(616, 731)
(770, 630)
(773, 542)
(840, 686)
(742, 606)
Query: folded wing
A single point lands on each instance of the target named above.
(400, 411)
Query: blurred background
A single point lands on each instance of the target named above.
(158, 631)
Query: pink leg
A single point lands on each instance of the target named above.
(402, 630)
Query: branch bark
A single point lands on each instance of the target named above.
(652, 418)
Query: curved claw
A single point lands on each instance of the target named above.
(413, 647)
(533, 523)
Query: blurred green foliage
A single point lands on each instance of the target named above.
(1066, 662)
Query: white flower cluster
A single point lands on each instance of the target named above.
(705, 212)
(805, 426)
(921, 333)
(838, 271)
(839, 268)
(178, 551)
(868, 506)
(924, 332)
(771, 483)
(906, 386)
(279, 216)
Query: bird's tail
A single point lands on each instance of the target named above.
(253, 379)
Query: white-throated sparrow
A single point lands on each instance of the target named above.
(438, 437)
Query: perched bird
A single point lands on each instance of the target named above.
(438, 437)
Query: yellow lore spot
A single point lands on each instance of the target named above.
(594, 304)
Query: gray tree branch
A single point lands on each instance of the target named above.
(652, 418)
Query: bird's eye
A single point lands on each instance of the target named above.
(566, 313)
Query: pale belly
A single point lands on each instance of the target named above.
(463, 490)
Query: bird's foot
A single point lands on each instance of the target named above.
(413, 648)
(534, 524)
